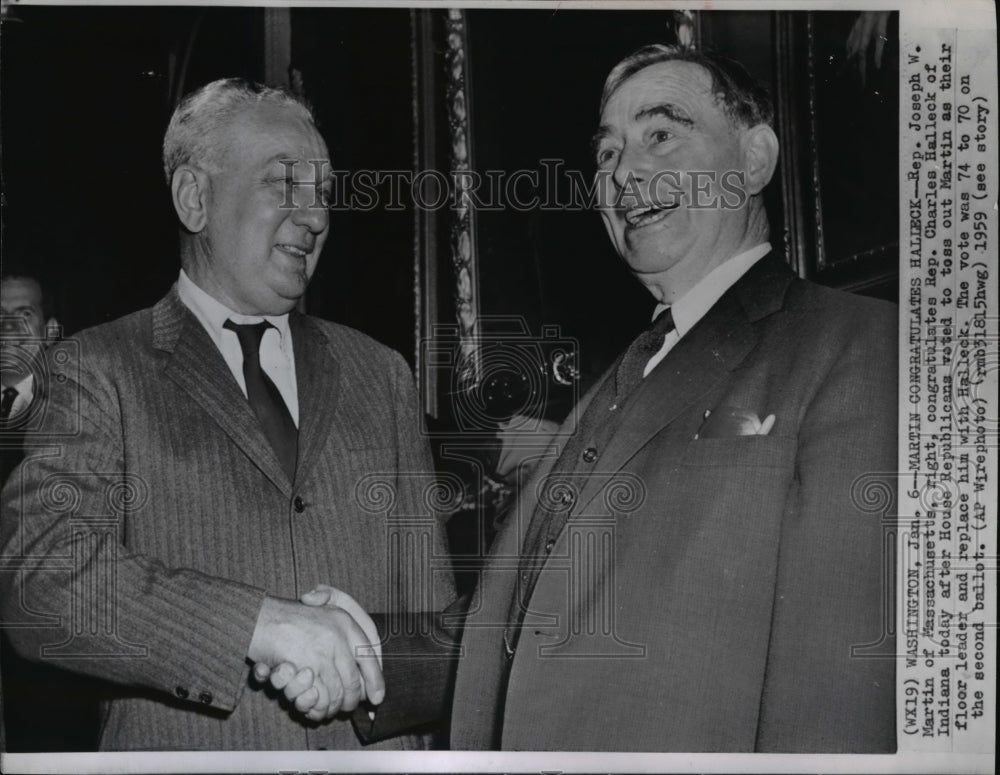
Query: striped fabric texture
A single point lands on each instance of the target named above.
(152, 516)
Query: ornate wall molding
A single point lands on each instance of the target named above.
(463, 229)
(425, 249)
(817, 182)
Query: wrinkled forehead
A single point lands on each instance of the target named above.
(268, 131)
(685, 84)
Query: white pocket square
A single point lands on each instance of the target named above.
(729, 421)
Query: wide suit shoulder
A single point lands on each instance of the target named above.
(711, 593)
(147, 537)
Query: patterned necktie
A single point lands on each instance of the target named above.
(265, 400)
(645, 346)
(7, 402)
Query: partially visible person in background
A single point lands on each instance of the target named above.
(27, 326)
(43, 708)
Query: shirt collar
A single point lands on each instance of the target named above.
(693, 305)
(24, 395)
(25, 387)
(212, 313)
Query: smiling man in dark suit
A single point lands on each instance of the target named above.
(209, 453)
(742, 573)
(689, 570)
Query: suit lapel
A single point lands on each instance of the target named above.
(716, 345)
(196, 366)
(317, 375)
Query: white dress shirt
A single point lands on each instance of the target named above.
(25, 393)
(693, 305)
(277, 358)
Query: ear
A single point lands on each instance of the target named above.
(53, 330)
(189, 188)
(760, 146)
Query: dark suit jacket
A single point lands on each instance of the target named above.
(164, 516)
(707, 593)
(12, 439)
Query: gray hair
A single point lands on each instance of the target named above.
(192, 136)
(743, 99)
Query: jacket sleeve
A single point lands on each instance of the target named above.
(419, 659)
(830, 680)
(418, 651)
(73, 594)
(425, 582)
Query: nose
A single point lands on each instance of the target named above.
(631, 167)
(312, 215)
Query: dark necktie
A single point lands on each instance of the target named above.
(7, 402)
(645, 346)
(264, 397)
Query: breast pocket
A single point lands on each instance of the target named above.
(730, 497)
(762, 452)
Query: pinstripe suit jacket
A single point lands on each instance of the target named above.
(139, 546)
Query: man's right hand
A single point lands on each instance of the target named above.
(335, 665)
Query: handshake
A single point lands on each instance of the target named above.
(323, 654)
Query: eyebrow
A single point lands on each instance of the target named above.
(667, 110)
(284, 157)
(599, 135)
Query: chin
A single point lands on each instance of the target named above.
(277, 301)
(646, 264)
(289, 285)
(283, 305)
(650, 252)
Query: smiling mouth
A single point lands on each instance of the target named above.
(637, 217)
(294, 250)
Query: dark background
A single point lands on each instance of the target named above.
(87, 93)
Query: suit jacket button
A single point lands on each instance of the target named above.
(548, 545)
(298, 504)
(205, 697)
(181, 692)
(589, 455)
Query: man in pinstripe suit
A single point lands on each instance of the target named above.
(204, 462)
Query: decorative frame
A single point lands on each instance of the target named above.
(463, 229)
(424, 78)
(806, 188)
(440, 78)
